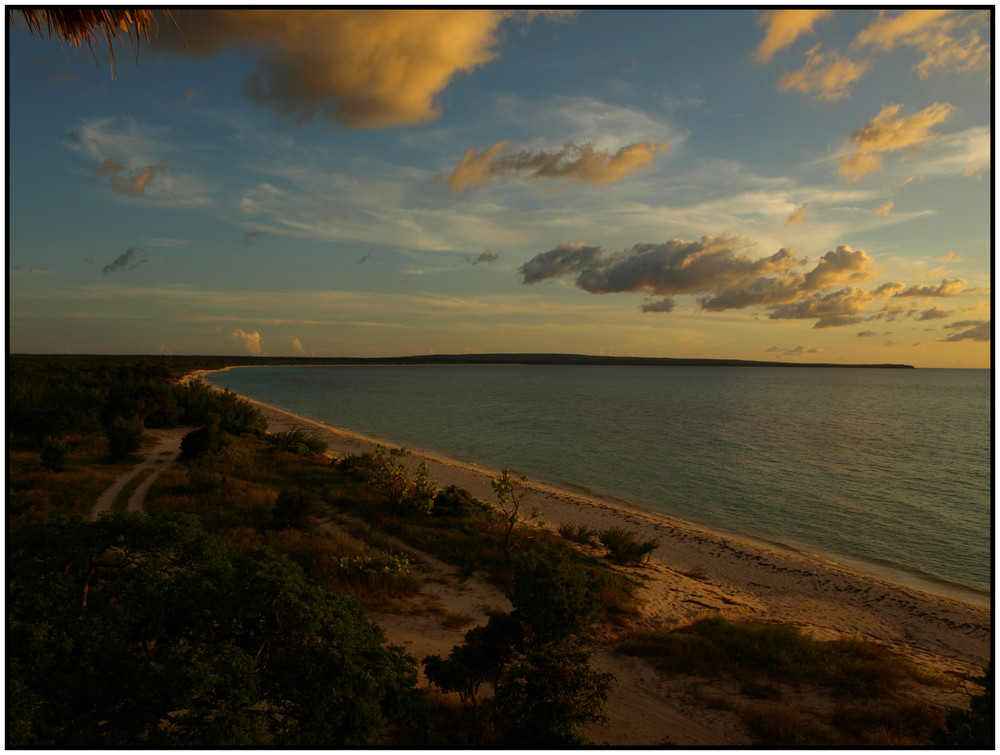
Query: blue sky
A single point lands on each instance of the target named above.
(794, 185)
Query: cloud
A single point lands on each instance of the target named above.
(797, 216)
(935, 33)
(127, 260)
(572, 162)
(251, 236)
(867, 334)
(797, 351)
(725, 278)
(783, 28)
(885, 209)
(485, 256)
(362, 68)
(827, 76)
(888, 133)
(947, 287)
(843, 265)
(297, 347)
(973, 330)
(660, 305)
(249, 341)
(934, 314)
(562, 260)
(130, 185)
(846, 301)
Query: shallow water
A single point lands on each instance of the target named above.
(887, 470)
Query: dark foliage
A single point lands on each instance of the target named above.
(147, 632)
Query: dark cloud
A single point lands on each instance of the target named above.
(973, 330)
(846, 301)
(564, 259)
(660, 305)
(128, 260)
(679, 267)
(837, 321)
(798, 350)
(485, 256)
(367, 256)
(867, 334)
(933, 314)
(251, 236)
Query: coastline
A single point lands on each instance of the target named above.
(696, 572)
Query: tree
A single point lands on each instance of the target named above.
(124, 438)
(510, 494)
(138, 631)
(390, 476)
(534, 660)
(975, 727)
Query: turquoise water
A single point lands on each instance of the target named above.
(889, 470)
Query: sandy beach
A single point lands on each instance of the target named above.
(694, 573)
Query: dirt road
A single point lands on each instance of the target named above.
(158, 458)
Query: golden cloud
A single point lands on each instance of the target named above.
(825, 75)
(362, 68)
(935, 32)
(885, 209)
(572, 163)
(843, 265)
(129, 185)
(797, 216)
(249, 341)
(888, 133)
(783, 28)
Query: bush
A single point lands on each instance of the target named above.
(205, 441)
(297, 441)
(293, 510)
(625, 546)
(580, 533)
(455, 502)
(124, 437)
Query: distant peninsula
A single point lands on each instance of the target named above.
(209, 362)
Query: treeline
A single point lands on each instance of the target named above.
(53, 399)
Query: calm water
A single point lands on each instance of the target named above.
(886, 470)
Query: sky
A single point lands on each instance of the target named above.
(793, 185)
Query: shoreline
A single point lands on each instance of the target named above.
(697, 572)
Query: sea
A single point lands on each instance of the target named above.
(888, 471)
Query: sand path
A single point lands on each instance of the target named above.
(158, 458)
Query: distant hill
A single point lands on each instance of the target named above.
(217, 362)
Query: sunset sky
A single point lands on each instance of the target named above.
(784, 185)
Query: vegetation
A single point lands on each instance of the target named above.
(510, 494)
(136, 630)
(625, 546)
(232, 613)
(871, 691)
(532, 661)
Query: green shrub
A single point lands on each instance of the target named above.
(205, 441)
(625, 546)
(297, 441)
